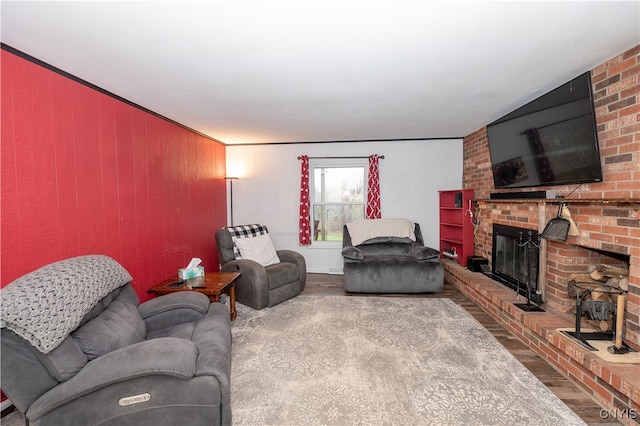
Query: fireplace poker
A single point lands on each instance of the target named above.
(526, 245)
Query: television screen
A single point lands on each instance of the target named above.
(552, 140)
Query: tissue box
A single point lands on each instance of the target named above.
(185, 274)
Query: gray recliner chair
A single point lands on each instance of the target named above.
(261, 286)
(78, 348)
(391, 265)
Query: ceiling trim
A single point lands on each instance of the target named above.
(347, 141)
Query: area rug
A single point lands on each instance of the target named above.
(336, 360)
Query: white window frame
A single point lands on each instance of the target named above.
(334, 162)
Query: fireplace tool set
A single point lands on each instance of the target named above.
(557, 229)
(529, 250)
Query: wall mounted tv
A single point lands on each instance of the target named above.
(552, 140)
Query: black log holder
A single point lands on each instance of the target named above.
(583, 337)
(536, 298)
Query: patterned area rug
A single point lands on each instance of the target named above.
(335, 360)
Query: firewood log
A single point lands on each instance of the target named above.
(613, 282)
(603, 325)
(584, 278)
(624, 284)
(593, 287)
(584, 282)
(612, 271)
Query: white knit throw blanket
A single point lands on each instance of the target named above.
(45, 305)
(365, 229)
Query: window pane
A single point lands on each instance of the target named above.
(330, 218)
(338, 184)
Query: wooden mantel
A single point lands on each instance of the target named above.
(617, 201)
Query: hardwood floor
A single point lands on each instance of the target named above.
(569, 393)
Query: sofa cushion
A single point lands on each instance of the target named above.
(100, 306)
(117, 326)
(180, 331)
(64, 361)
(282, 274)
(386, 249)
(379, 240)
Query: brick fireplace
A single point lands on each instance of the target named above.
(607, 216)
(579, 254)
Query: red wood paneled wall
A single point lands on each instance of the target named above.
(85, 173)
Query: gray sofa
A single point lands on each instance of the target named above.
(391, 265)
(78, 348)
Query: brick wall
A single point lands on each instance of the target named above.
(609, 225)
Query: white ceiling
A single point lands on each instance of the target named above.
(248, 71)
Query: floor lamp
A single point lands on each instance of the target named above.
(231, 179)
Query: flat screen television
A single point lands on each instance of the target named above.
(552, 140)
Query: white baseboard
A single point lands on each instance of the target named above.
(337, 271)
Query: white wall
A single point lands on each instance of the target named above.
(412, 172)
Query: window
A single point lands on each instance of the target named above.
(338, 196)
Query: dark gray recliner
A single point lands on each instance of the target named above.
(391, 265)
(78, 348)
(262, 286)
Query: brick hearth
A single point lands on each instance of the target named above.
(615, 386)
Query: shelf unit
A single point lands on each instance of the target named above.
(456, 224)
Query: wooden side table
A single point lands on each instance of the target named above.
(213, 285)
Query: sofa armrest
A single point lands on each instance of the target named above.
(293, 257)
(175, 308)
(165, 356)
(352, 253)
(213, 338)
(252, 287)
(248, 269)
(424, 253)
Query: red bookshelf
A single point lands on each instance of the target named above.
(456, 224)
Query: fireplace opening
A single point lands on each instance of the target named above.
(515, 259)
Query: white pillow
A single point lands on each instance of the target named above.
(259, 249)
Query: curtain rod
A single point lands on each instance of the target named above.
(333, 158)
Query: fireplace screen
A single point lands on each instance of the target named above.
(515, 257)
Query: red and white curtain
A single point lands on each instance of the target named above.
(373, 189)
(305, 204)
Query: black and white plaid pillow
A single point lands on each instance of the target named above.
(245, 231)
